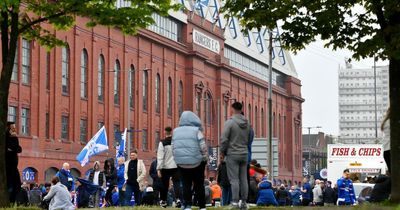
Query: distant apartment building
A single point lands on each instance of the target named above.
(357, 102)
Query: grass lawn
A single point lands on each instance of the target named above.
(361, 207)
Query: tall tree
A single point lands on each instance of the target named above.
(27, 18)
(366, 27)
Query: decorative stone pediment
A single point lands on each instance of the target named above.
(199, 86)
(227, 95)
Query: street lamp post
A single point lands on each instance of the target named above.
(271, 156)
(376, 114)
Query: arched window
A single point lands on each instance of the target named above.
(262, 123)
(157, 93)
(273, 125)
(198, 104)
(132, 81)
(65, 69)
(100, 78)
(169, 96)
(180, 98)
(145, 90)
(117, 73)
(207, 107)
(255, 121)
(50, 173)
(84, 73)
(249, 114)
(225, 110)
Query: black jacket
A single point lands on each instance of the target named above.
(12, 150)
(223, 179)
(157, 184)
(381, 189)
(110, 173)
(329, 195)
(282, 194)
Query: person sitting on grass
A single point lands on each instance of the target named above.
(266, 194)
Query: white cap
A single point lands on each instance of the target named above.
(149, 189)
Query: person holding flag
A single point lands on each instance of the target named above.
(65, 177)
(120, 148)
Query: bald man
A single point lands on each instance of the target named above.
(66, 178)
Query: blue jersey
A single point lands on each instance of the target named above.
(346, 192)
(306, 195)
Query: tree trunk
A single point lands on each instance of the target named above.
(9, 40)
(4, 202)
(394, 86)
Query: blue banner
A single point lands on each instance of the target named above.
(28, 174)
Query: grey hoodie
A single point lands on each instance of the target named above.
(235, 136)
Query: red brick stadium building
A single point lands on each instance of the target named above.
(60, 98)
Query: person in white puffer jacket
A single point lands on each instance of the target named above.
(167, 168)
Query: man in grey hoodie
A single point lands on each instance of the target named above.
(234, 142)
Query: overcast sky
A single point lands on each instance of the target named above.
(317, 68)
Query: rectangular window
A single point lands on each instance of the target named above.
(83, 128)
(167, 27)
(64, 127)
(14, 75)
(25, 121)
(26, 61)
(144, 140)
(12, 114)
(47, 125)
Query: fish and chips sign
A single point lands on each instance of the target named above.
(355, 151)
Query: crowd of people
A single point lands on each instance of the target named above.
(178, 176)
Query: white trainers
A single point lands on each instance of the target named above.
(163, 204)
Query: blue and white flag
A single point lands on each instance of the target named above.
(96, 145)
(120, 149)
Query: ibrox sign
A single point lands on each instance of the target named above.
(206, 41)
(354, 151)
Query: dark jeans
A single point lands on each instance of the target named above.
(195, 176)
(166, 174)
(306, 202)
(108, 196)
(121, 197)
(226, 196)
(128, 194)
(282, 203)
(386, 156)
